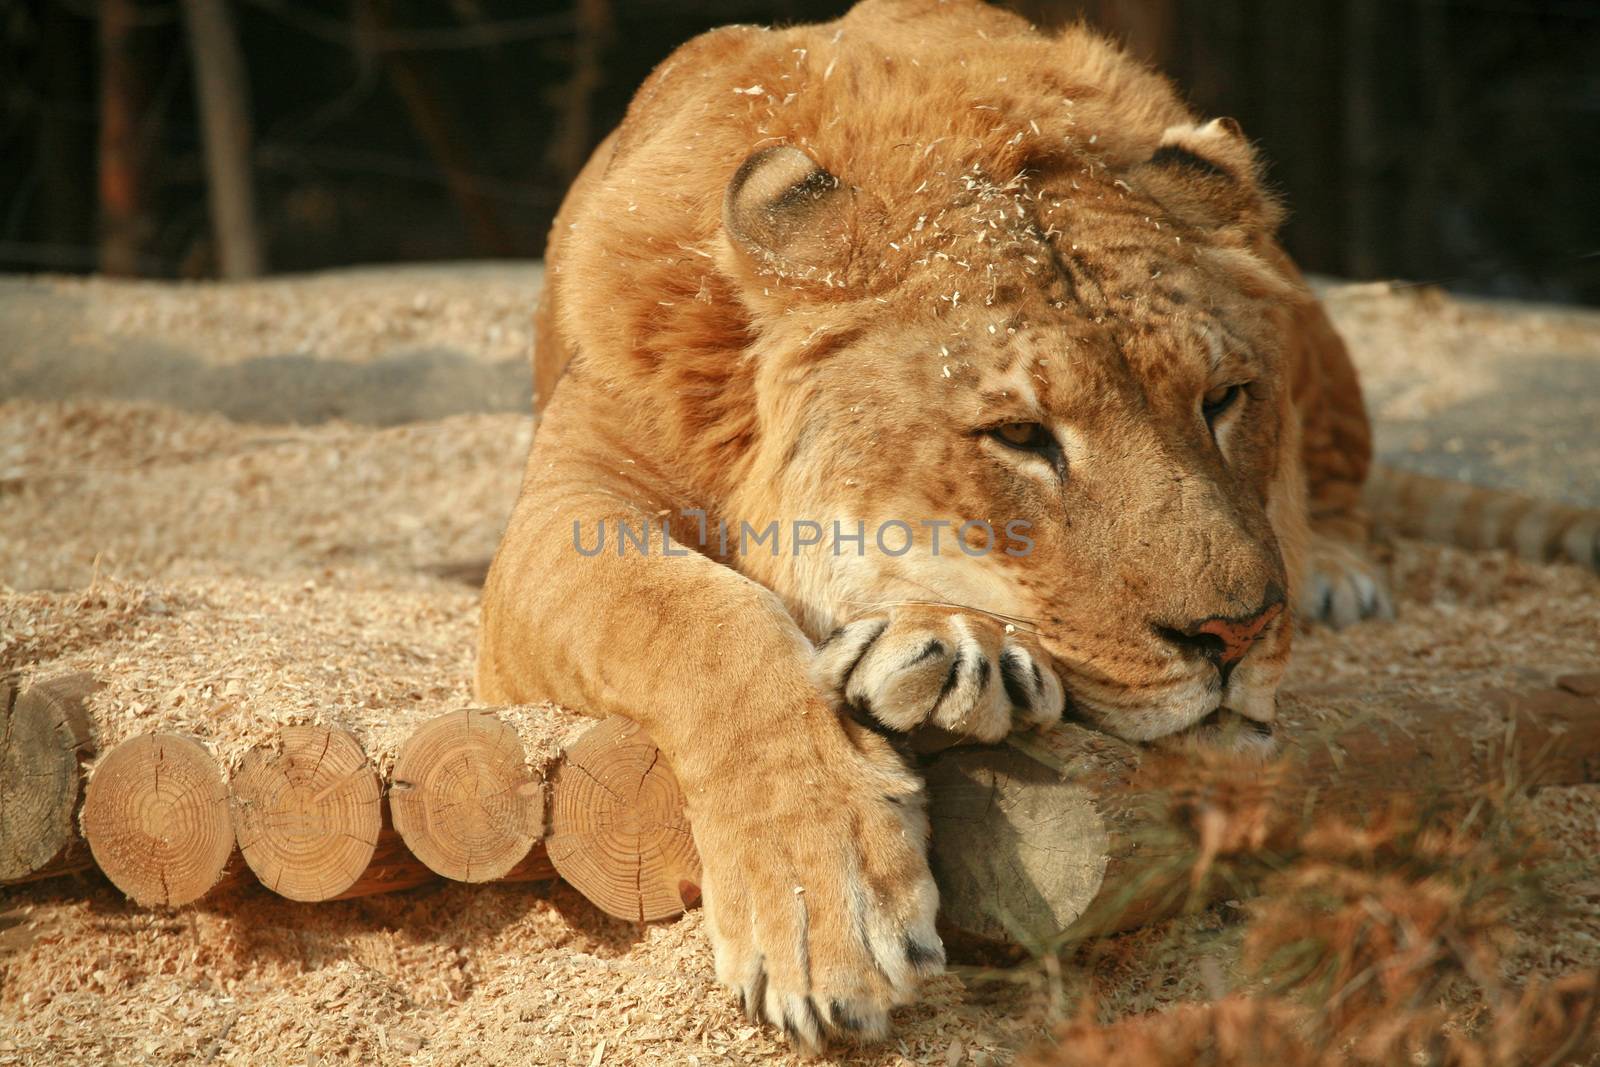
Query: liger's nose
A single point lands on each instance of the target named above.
(1224, 640)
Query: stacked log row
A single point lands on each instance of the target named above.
(1044, 838)
(308, 813)
(311, 816)
(315, 822)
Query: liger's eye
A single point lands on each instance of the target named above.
(1028, 436)
(1219, 400)
(1033, 438)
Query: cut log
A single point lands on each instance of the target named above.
(618, 833)
(1022, 840)
(307, 812)
(45, 737)
(1071, 833)
(156, 818)
(310, 819)
(464, 798)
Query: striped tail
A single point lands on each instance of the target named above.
(1455, 513)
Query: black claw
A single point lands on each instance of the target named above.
(1011, 678)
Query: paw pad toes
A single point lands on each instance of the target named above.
(916, 667)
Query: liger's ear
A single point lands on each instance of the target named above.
(1207, 176)
(791, 215)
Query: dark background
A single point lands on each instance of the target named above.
(1448, 141)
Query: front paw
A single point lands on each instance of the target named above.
(921, 665)
(1343, 584)
(819, 900)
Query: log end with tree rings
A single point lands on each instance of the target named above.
(307, 812)
(463, 797)
(618, 833)
(44, 737)
(1019, 853)
(157, 819)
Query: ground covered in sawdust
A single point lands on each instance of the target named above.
(224, 577)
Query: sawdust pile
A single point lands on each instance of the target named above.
(357, 314)
(225, 578)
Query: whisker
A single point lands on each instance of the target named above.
(1018, 621)
(943, 601)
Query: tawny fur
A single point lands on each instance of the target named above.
(948, 222)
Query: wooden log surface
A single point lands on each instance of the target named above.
(307, 812)
(394, 869)
(157, 820)
(464, 798)
(313, 824)
(45, 738)
(618, 832)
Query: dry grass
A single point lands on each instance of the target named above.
(1389, 936)
(1375, 945)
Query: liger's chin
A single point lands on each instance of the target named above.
(1197, 709)
(1146, 716)
(1228, 731)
